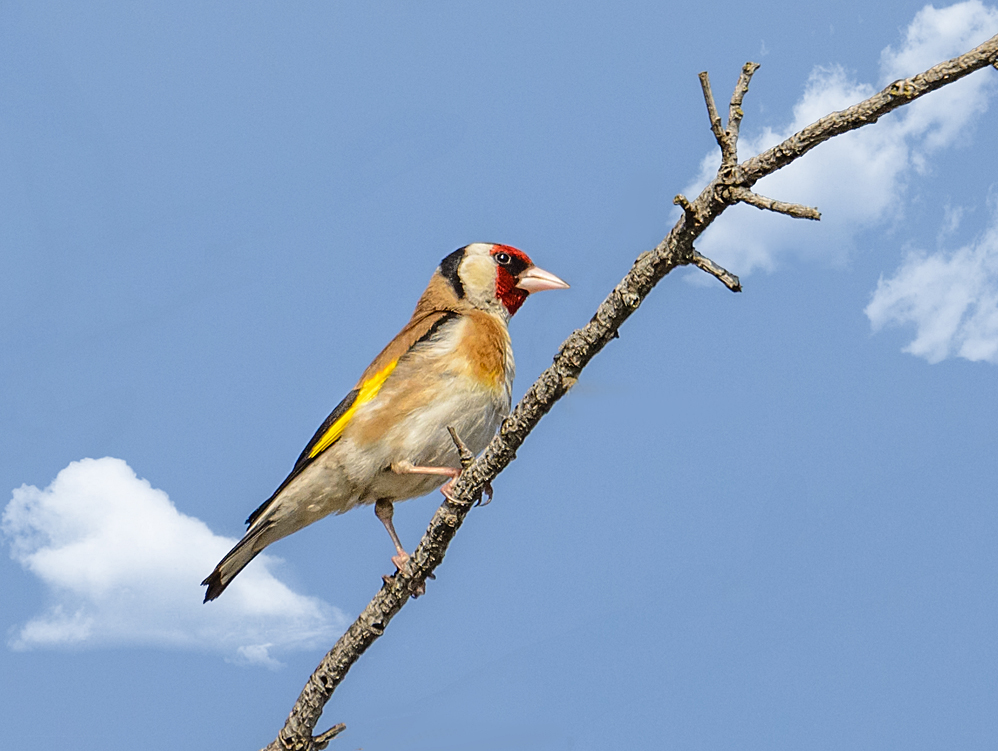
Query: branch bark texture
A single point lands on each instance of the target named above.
(732, 185)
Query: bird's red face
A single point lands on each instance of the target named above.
(517, 277)
(510, 263)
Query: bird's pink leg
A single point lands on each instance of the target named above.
(408, 468)
(403, 468)
(384, 510)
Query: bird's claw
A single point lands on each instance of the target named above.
(446, 490)
(486, 491)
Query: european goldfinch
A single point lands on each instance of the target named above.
(387, 441)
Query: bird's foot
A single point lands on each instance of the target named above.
(401, 562)
(446, 489)
(419, 590)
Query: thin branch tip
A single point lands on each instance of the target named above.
(716, 127)
(735, 112)
(467, 458)
(724, 276)
(744, 78)
(322, 740)
(688, 212)
(796, 210)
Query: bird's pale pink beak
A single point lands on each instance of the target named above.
(536, 279)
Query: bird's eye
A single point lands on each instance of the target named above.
(503, 259)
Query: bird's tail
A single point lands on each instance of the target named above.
(234, 562)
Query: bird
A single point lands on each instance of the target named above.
(387, 440)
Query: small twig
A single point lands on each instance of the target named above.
(467, 458)
(322, 740)
(796, 210)
(691, 217)
(715, 119)
(735, 112)
(724, 276)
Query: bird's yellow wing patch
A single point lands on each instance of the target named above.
(368, 390)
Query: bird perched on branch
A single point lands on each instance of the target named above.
(387, 441)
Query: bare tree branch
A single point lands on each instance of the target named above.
(727, 138)
(467, 458)
(684, 202)
(727, 156)
(869, 111)
(724, 276)
(583, 344)
(322, 740)
(735, 113)
(796, 210)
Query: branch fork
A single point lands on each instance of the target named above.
(731, 185)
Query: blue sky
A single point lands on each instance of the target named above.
(763, 520)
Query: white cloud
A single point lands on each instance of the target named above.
(122, 566)
(952, 217)
(950, 297)
(857, 180)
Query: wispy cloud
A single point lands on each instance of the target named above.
(950, 296)
(121, 566)
(858, 180)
